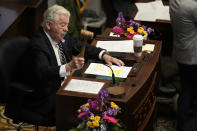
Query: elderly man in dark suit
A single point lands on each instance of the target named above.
(52, 62)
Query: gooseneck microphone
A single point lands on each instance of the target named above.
(114, 89)
(113, 76)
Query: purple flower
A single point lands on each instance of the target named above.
(111, 112)
(120, 19)
(144, 27)
(149, 30)
(103, 95)
(94, 104)
(131, 23)
(84, 108)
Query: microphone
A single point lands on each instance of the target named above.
(114, 89)
(113, 76)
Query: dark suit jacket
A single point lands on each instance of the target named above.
(45, 71)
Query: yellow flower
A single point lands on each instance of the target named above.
(79, 110)
(144, 32)
(97, 108)
(89, 123)
(92, 117)
(97, 118)
(95, 123)
(132, 32)
(142, 28)
(113, 105)
(139, 31)
(87, 104)
(129, 29)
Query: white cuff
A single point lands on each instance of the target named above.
(101, 54)
(63, 72)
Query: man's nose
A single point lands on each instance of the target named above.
(65, 28)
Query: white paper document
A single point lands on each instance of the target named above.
(164, 13)
(117, 46)
(145, 12)
(84, 86)
(101, 69)
(151, 11)
(148, 47)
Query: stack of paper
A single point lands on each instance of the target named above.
(122, 46)
(117, 46)
(152, 11)
(85, 86)
(101, 69)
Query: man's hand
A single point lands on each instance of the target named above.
(109, 60)
(75, 64)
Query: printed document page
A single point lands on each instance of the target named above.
(84, 86)
(101, 69)
(116, 46)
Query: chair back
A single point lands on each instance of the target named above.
(16, 81)
(12, 57)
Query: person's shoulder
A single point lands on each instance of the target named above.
(39, 36)
(38, 39)
(38, 33)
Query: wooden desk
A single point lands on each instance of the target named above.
(138, 105)
(20, 18)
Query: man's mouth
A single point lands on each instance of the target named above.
(63, 33)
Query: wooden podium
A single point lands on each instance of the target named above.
(138, 105)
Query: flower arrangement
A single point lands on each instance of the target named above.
(99, 115)
(130, 28)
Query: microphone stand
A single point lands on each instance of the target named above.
(113, 76)
(114, 89)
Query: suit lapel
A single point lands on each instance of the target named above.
(50, 51)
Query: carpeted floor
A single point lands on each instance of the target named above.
(6, 124)
(166, 117)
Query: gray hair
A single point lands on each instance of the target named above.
(52, 13)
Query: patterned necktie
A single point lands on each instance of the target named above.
(61, 53)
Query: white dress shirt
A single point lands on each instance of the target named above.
(62, 71)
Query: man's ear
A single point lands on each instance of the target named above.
(48, 25)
